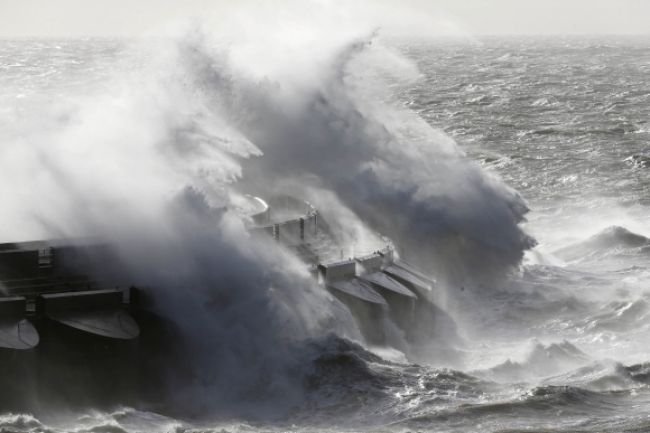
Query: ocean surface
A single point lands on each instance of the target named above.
(560, 344)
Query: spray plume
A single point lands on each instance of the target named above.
(154, 163)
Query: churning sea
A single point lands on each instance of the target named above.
(563, 344)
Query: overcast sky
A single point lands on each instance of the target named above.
(72, 18)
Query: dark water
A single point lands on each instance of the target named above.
(562, 344)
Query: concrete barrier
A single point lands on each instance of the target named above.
(86, 300)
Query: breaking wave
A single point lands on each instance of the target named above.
(610, 241)
(158, 158)
(541, 361)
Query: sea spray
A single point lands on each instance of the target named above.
(149, 170)
(154, 165)
(417, 188)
